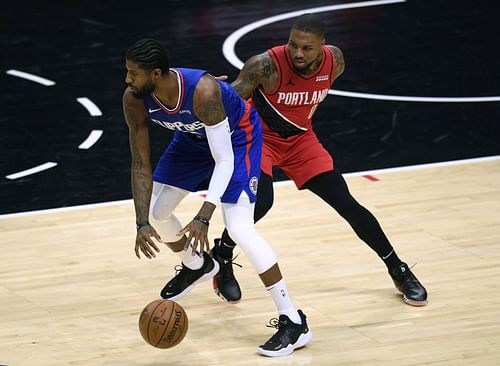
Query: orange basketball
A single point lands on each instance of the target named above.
(163, 323)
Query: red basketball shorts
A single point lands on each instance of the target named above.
(300, 157)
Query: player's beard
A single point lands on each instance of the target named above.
(308, 68)
(147, 89)
(303, 70)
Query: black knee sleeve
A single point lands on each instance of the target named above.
(265, 198)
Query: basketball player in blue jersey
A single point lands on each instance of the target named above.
(218, 136)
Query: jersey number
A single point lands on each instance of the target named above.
(313, 109)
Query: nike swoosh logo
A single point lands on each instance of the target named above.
(154, 110)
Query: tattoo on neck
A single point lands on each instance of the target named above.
(313, 67)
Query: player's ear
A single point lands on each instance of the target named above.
(155, 74)
(323, 42)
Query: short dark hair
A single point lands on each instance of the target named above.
(149, 54)
(310, 23)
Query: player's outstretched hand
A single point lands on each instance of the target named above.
(198, 236)
(144, 242)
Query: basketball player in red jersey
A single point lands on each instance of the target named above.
(286, 84)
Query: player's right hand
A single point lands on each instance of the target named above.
(144, 242)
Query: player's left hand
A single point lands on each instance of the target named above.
(144, 242)
(198, 236)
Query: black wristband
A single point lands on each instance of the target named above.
(142, 224)
(202, 220)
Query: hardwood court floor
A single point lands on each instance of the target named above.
(71, 289)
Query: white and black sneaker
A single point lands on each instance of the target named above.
(289, 337)
(185, 279)
(413, 291)
(224, 283)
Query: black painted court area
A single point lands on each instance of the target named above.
(414, 48)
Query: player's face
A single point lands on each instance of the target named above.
(305, 50)
(138, 80)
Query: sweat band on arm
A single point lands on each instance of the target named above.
(219, 140)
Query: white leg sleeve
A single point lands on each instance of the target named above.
(238, 218)
(164, 200)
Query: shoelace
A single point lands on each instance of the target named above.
(227, 261)
(277, 324)
(409, 270)
(410, 278)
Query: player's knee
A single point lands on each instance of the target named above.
(240, 233)
(167, 225)
(164, 200)
(159, 212)
(258, 251)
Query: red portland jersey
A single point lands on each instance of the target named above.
(288, 109)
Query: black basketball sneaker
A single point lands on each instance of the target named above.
(289, 337)
(413, 291)
(185, 279)
(225, 284)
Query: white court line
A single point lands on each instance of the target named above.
(31, 77)
(34, 170)
(90, 106)
(91, 139)
(65, 209)
(411, 167)
(403, 98)
(423, 166)
(287, 182)
(230, 42)
(228, 49)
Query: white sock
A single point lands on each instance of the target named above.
(189, 260)
(283, 302)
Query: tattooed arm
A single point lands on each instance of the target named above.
(259, 70)
(141, 172)
(207, 101)
(339, 59)
(209, 108)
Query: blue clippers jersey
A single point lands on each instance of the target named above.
(183, 119)
(187, 162)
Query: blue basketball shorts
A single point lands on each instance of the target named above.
(187, 162)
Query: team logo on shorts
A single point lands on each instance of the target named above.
(254, 182)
